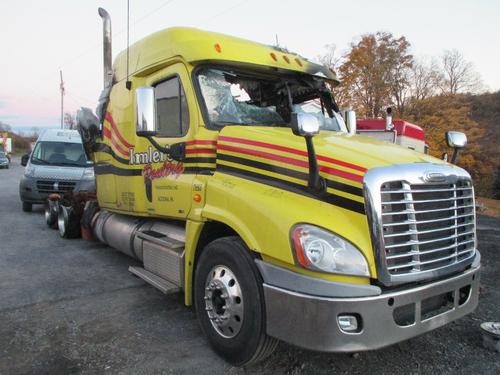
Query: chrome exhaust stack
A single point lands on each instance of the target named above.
(106, 43)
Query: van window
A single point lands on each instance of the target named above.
(59, 153)
(171, 109)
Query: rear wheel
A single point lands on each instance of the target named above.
(27, 207)
(51, 213)
(68, 223)
(230, 303)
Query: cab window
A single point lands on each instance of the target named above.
(171, 109)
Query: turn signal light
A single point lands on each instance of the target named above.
(197, 198)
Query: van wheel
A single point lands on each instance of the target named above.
(68, 223)
(27, 207)
(229, 302)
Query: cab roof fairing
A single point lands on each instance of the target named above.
(195, 46)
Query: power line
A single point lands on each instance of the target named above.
(226, 10)
(114, 35)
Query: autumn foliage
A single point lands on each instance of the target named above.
(379, 71)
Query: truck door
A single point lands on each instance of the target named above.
(170, 183)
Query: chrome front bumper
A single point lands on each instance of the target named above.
(310, 321)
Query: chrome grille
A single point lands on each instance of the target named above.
(54, 186)
(427, 227)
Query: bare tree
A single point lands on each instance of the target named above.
(458, 75)
(69, 121)
(5, 127)
(330, 59)
(35, 132)
(425, 79)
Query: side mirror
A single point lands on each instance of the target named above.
(305, 124)
(350, 121)
(24, 159)
(145, 109)
(457, 140)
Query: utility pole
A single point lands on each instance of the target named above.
(61, 87)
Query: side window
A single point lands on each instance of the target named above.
(171, 109)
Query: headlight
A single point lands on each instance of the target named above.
(29, 171)
(88, 173)
(320, 250)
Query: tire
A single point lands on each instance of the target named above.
(51, 214)
(229, 302)
(68, 223)
(27, 207)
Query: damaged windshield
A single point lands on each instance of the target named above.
(248, 98)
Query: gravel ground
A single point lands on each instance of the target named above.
(70, 306)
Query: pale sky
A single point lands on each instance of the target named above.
(37, 38)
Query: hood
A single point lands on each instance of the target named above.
(57, 173)
(357, 151)
(277, 157)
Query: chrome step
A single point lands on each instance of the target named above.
(158, 282)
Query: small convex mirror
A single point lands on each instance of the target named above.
(456, 139)
(145, 109)
(305, 124)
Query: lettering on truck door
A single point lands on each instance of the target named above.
(167, 181)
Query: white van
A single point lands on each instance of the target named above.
(57, 164)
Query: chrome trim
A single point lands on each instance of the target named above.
(311, 322)
(412, 174)
(296, 282)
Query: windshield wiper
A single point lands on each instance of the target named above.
(71, 164)
(34, 158)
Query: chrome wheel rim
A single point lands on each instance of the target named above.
(61, 220)
(224, 301)
(48, 213)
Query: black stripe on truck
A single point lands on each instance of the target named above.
(292, 187)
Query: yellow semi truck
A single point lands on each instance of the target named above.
(275, 221)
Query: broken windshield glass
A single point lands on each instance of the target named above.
(242, 98)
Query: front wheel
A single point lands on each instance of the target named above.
(229, 302)
(27, 207)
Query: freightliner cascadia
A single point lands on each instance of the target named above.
(277, 222)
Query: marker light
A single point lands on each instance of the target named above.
(217, 47)
(286, 59)
(298, 61)
(273, 55)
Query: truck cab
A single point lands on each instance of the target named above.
(275, 220)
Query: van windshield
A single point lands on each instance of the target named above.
(235, 97)
(59, 153)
